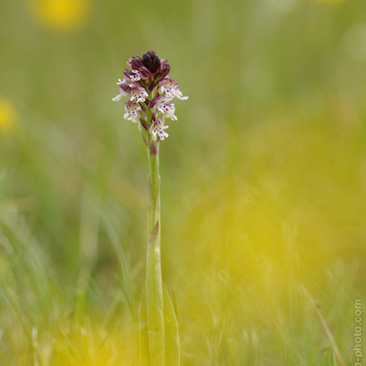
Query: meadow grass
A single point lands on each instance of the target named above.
(264, 184)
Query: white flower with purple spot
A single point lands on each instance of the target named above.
(163, 106)
(170, 89)
(132, 111)
(138, 94)
(167, 109)
(157, 130)
(132, 76)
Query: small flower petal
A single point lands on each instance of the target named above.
(117, 98)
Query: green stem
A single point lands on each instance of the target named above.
(154, 283)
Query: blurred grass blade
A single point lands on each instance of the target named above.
(127, 287)
(143, 334)
(325, 326)
(89, 242)
(154, 300)
(172, 341)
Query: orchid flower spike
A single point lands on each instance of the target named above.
(150, 92)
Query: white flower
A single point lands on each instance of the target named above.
(132, 111)
(166, 108)
(138, 94)
(170, 89)
(137, 75)
(157, 129)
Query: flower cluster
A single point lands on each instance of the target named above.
(150, 92)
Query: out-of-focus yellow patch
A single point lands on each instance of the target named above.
(7, 116)
(92, 345)
(75, 345)
(62, 15)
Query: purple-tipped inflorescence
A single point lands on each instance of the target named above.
(150, 93)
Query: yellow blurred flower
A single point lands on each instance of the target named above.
(62, 15)
(7, 115)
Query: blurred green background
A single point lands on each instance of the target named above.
(263, 179)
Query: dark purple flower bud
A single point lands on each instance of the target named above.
(136, 62)
(155, 100)
(125, 88)
(145, 73)
(146, 60)
(155, 64)
(151, 61)
(164, 69)
(161, 74)
(124, 91)
(151, 53)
